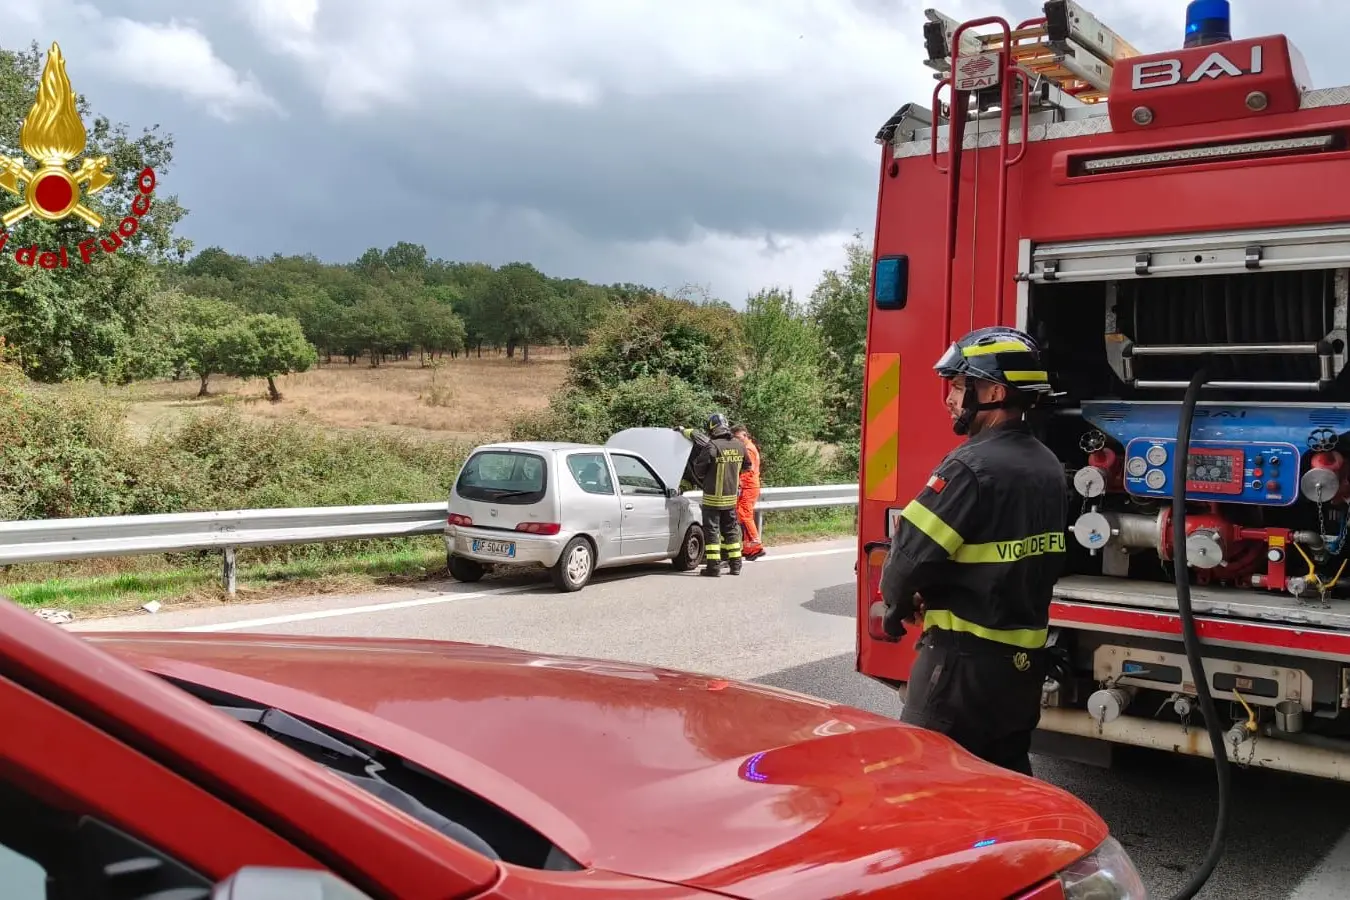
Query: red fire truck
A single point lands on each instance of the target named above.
(1140, 215)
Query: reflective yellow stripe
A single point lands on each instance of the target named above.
(924, 519)
(996, 347)
(1030, 638)
(1027, 376)
(1011, 551)
(881, 429)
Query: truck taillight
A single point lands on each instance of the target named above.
(874, 557)
(539, 527)
(457, 519)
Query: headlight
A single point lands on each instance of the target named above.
(1104, 874)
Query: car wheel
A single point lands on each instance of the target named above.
(575, 566)
(691, 553)
(462, 569)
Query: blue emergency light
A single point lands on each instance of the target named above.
(1208, 22)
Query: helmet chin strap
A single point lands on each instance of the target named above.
(971, 407)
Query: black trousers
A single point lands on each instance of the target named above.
(984, 695)
(721, 535)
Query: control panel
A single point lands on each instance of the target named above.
(1223, 472)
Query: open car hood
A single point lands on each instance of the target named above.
(665, 448)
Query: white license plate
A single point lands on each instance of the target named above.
(495, 548)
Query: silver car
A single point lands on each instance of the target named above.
(571, 508)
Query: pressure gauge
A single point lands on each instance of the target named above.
(1157, 455)
(1136, 466)
(1155, 479)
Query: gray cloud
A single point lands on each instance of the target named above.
(733, 150)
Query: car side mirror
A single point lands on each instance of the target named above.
(672, 492)
(269, 883)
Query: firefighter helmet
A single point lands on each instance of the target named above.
(718, 422)
(999, 354)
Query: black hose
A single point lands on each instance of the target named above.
(1189, 637)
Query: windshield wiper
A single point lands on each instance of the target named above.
(284, 725)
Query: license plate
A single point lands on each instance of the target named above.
(495, 548)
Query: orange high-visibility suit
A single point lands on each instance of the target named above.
(745, 503)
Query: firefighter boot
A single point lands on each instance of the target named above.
(712, 568)
(735, 566)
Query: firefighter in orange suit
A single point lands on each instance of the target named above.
(752, 549)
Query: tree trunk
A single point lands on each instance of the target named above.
(273, 394)
(202, 392)
(422, 356)
(526, 346)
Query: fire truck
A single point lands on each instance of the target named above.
(1144, 216)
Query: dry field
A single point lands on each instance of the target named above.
(456, 399)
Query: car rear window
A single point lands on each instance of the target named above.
(503, 476)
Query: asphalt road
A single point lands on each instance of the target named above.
(788, 622)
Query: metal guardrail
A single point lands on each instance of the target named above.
(61, 540)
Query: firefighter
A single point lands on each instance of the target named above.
(717, 463)
(751, 548)
(975, 555)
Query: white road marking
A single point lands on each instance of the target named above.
(1329, 880)
(438, 599)
(770, 557)
(354, 610)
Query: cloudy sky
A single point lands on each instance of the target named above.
(721, 143)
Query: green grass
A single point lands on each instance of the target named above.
(797, 525)
(198, 581)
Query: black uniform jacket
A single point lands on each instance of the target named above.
(983, 543)
(717, 463)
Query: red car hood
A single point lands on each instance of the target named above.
(727, 786)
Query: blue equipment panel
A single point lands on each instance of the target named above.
(1230, 423)
(1260, 474)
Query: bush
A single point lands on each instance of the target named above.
(698, 345)
(67, 454)
(664, 362)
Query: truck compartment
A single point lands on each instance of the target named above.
(1123, 326)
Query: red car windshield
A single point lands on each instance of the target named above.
(463, 817)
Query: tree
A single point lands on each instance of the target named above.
(783, 389)
(434, 327)
(78, 322)
(578, 309)
(838, 306)
(210, 338)
(656, 362)
(267, 346)
(523, 307)
(376, 327)
(698, 345)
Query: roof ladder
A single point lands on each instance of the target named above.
(1068, 48)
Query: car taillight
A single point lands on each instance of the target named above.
(457, 519)
(539, 527)
(874, 557)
